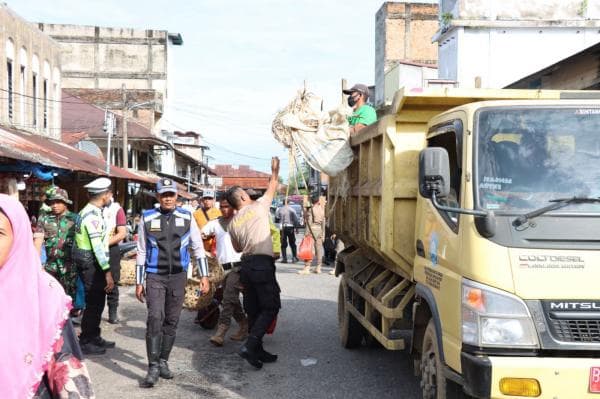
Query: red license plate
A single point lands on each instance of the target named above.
(595, 379)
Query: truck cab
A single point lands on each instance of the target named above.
(497, 245)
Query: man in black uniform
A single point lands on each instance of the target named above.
(251, 234)
(165, 234)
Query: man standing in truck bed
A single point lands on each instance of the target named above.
(363, 115)
(251, 234)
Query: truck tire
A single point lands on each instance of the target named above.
(351, 331)
(433, 382)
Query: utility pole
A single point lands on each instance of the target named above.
(189, 177)
(124, 129)
(109, 128)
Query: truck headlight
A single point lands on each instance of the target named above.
(494, 318)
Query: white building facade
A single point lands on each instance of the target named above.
(490, 44)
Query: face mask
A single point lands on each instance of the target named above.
(351, 101)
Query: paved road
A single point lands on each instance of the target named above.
(307, 328)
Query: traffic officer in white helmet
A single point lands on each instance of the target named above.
(92, 263)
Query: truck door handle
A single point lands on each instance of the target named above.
(420, 248)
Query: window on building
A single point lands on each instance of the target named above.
(143, 160)
(22, 97)
(55, 104)
(34, 92)
(45, 93)
(9, 86)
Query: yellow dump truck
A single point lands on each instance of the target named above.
(472, 225)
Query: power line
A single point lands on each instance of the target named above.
(223, 148)
(41, 98)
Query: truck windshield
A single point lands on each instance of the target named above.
(527, 156)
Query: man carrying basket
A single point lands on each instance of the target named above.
(165, 234)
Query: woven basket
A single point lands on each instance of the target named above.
(216, 272)
(193, 299)
(127, 272)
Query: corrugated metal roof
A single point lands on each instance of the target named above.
(42, 150)
(80, 116)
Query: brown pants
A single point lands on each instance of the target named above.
(231, 299)
(318, 246)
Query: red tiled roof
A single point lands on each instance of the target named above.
(241, 171)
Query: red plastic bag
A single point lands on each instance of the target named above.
(305, 252)
(271, 328)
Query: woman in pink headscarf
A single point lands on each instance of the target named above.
(39, 353)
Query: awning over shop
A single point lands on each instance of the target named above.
(33, 148)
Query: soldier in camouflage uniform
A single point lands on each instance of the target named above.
(55, 231)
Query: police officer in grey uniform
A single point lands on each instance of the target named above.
(165, 234)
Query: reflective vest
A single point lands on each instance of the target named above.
(167, 240)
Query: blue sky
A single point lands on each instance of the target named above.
(241, 60)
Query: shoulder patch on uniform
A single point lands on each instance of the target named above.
(182, 213)
(150, 214)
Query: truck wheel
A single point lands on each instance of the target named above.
(351, 331)
(433, 382)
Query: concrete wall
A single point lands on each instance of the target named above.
(540, 10)
(403, 32)
(29, 50)
(499, 56)
(105, 58)
(409, 76)
(580, 72)
(491, 44)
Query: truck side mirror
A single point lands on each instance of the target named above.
(434, 172)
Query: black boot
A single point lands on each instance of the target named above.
(249, 351)
(265, 356)
(153, 351)
(112, 314)
(165, 351)
(283, 256)
(101, 342)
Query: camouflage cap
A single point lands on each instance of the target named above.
(59, 194)
(50, 190)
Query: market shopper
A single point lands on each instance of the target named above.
(55, 231)
(251, 234)
(229, 259)
(40, 354)
(289, 224)
(165, 234)
(315, 226)
(92, 262)
(204, 214)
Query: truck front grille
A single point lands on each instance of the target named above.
(573, 330)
